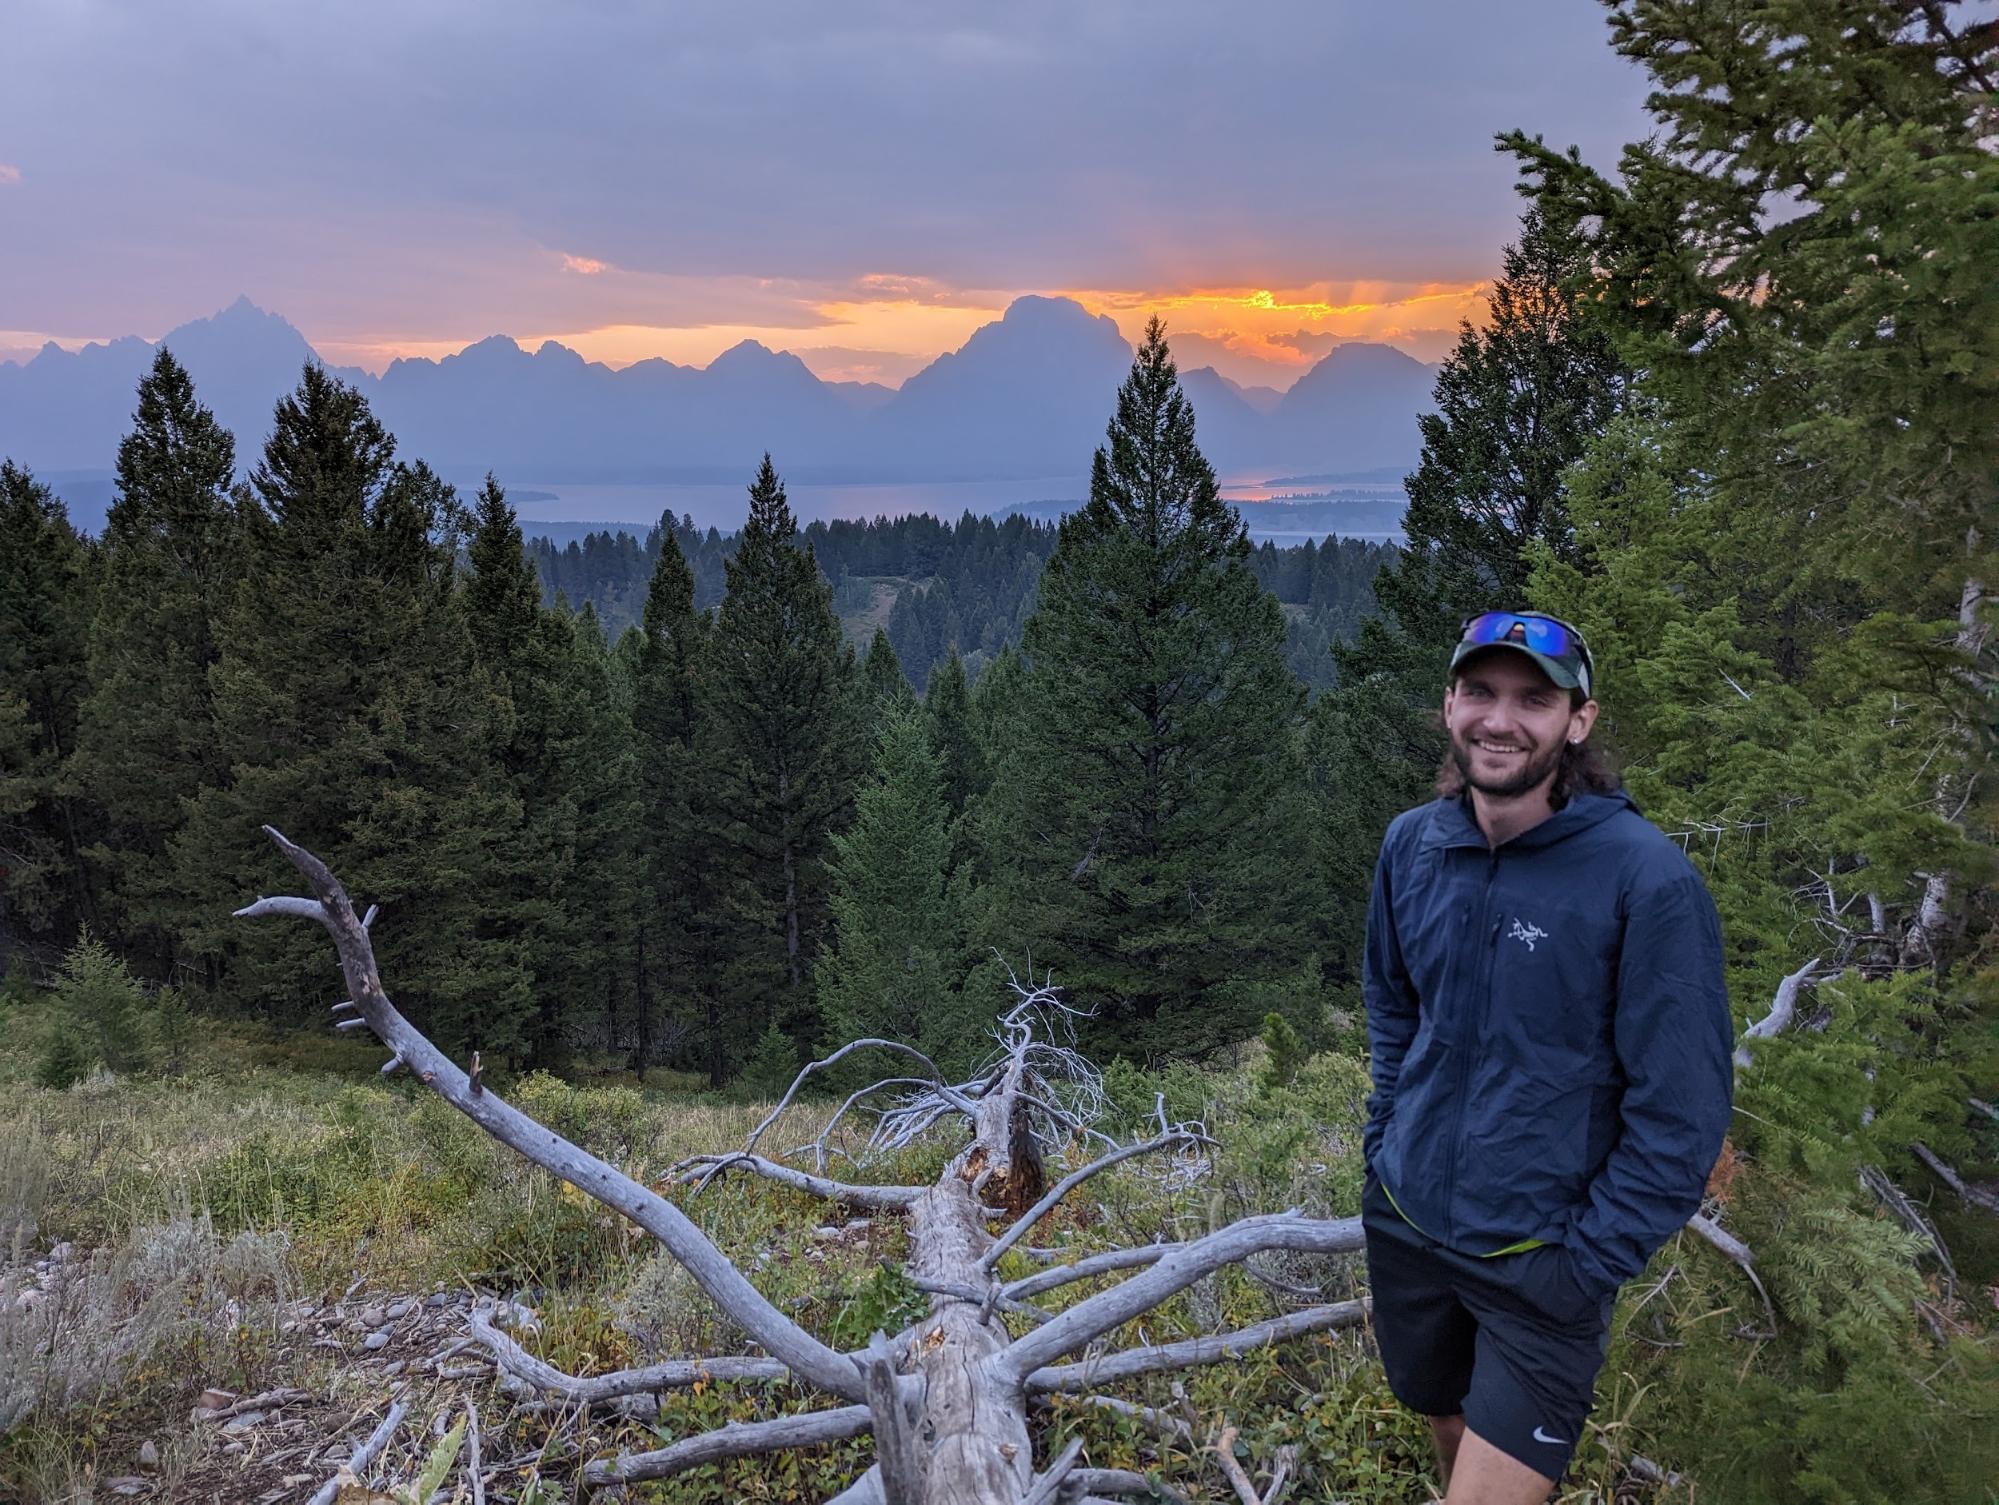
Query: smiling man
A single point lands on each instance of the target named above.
(1550, 1039)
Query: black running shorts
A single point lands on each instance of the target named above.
(1512, 1341)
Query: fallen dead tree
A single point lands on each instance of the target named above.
(945, 1400)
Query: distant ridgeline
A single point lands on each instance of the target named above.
(934, 585)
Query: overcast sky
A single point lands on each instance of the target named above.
(862, 181)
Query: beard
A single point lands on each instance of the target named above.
(1536, 767)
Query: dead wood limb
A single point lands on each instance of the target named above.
(1977, 1196)
(898, 1447)
(699, 1170)
(1095, 1264)
(270, 1400)
(1123, 1481)
(739, 1439)
(1179, 1137)
(364, 1455)
(1190, 1353)
(1738, 1252)
(1783, 1008)
(950, 1094)
(993, 1295)
(1163, 1422)
(1096, 1315)
(1048, 1486)
(807, 1357)
(472, 1454)
(590, 1390)
(1902, 1207)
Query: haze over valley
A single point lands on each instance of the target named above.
(1009, 419)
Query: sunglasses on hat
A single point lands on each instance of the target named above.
(1552, 643)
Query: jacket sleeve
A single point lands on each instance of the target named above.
(1673, 1036)
(1390, 1002)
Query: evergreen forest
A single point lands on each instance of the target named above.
(696, 808)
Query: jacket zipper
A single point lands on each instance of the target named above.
(1474, 1019)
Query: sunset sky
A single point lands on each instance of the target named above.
(863, 183)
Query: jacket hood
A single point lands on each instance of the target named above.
(1452, 823)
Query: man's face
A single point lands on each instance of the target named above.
(1508, 722)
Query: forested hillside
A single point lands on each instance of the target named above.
(938, 587)
(711, 803)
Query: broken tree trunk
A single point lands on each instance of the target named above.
(946, 1399)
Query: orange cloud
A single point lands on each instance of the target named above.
(588, 266)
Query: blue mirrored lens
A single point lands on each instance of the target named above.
(1538, 633)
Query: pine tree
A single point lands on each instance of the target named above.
(680, 935)
(592, 986)
(44, 607)
(947, 707)
(1518, 402)
(1153, 764)
(897, 924)
(1781, 553)
(147, 740)
(781, 694)
(350, 714)
(884, 689)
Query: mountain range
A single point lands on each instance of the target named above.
(1026, 396)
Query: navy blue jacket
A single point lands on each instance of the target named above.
(1550, 1033)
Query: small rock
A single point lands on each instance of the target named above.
(333, 1343)
(391, 1369)
(375, 1342)
(237, 1425)
(234, 1449)
(127, 1484)
(62, 1253)
(215, 1400)
(149, 1456)
(828, 1231)
(374, 1316)
(440, 1299)
(399, 1310)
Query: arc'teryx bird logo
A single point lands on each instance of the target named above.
(1528, 933)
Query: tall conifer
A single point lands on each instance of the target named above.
(147, 742)
(1152, 760)
(348, 713)
(783, 702)
(44, 606)
(1518, 401)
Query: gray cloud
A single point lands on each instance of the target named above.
(432, 164)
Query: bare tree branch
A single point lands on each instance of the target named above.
(699, 1170)
(1735, 1250)
(1782, 1008)
(739, 1439)
(592, 1390)
(1190, 1353)
(1094, 1264)
(1122, 1481)
(364, 1455)
(1977, 1196)
(1182, 1136)
(936, 1081)
(807, 1357)
(1048, 1486)
(1095, 1315)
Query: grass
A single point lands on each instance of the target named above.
(284, 1168)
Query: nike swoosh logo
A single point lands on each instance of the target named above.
(1541, 1436)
